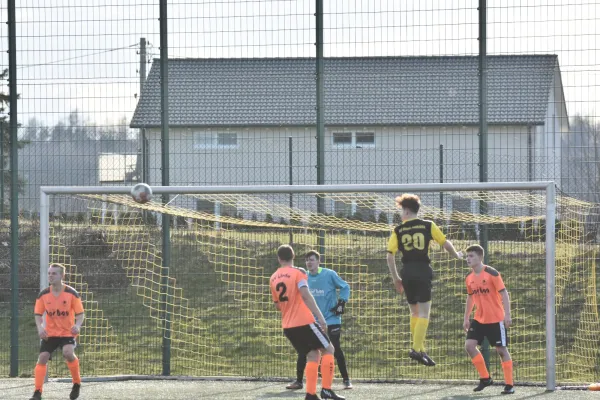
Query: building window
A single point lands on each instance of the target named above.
(365, 139)
(354, 139)
(342, 138)
(222, 140)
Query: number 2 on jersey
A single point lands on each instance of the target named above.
(281, 288)
(414, 241)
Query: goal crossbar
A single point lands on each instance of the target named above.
(350, 188)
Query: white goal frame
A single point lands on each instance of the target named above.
(546, 186)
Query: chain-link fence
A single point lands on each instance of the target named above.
(407, 91)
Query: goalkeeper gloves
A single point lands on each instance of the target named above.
(339, 308)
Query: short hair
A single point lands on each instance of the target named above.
(59, 266)
(313, 253)
(285, 252)
(409, 201)
(475, 248)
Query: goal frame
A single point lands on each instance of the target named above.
(548, 187)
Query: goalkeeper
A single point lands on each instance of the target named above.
(324, 284)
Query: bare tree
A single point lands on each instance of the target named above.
(581, 150)
(5, 132)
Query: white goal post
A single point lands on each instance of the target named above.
(543, 186)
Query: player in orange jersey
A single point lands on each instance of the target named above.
(64, 317)
(289, 288)
(486, 291)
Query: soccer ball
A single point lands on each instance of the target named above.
(141, 193)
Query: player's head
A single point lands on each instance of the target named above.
(410, 204)
(285, 254)
(313, 259)
(56, 273)
(475, 255)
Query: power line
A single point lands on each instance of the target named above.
(78, 57)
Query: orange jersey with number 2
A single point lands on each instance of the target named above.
(285, 288)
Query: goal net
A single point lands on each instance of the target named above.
(205, 309)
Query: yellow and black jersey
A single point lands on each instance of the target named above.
(412, 238)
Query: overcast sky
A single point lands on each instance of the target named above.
(82, 54)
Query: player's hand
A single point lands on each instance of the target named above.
(507, 321)
(75, 330)
(323, 325)
(339, 308)
(399, 287)
(466, 325)
(460, 255)
(42, 334)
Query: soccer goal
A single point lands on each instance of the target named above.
(179, 285)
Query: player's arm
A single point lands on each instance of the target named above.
(344, 295)
(506, 304)
(39, 310)
(468, 310)
(392, 248)
(440, 239)
(79, 315)
(310, 302)
(499, 286)
(391, 263)
(447, 245)
(78, 322)
(342, 285)
(39, 322)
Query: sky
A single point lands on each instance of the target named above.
(83, 55)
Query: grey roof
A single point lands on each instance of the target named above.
(358, 91)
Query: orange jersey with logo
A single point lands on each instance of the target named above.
(485, 288)
(285, 288)
(60, 310)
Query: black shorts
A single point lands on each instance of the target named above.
(417, 291)
(306, 338)
(53, 343)
(495, 333)
(416, 280)
(334, 330)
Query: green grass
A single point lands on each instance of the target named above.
(233, 329)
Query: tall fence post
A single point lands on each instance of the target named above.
(320, 110)
(14, 190)
(551, 287)
(483, 141)
(143, 139)
(291, 182)
(2, 170)
(166, 220)
(441, 175)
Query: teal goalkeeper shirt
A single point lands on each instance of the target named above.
(324, 286)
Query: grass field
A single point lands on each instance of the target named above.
(243, 390)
